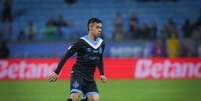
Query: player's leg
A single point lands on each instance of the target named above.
(93, 96)
(75, 88)
(74, 97)
(90, 91)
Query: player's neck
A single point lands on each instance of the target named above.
(92, 37)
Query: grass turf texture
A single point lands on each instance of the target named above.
(114, 90)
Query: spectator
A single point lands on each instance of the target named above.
(159, 48)
(118, 27)
(153, 29)
(51, 22)
(21, 36)
(173, 46)
(196, 34)
(169, 28)
(30, 31)
(50, 30)
(61, 22)
(70, 2)
(7, 30)
(133, 26)
(145, 31)
(187, 28)
(7, 10)
(4, 50)
(198, 22)
(1, 11)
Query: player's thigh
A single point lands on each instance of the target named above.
(91, 91)
(90, 88)
(75, 85)
(93, 98)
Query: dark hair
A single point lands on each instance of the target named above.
(93, 20)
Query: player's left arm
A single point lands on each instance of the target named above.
(101, 66)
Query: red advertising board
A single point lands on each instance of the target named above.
(115, 68)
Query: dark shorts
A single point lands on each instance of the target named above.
(80, 85)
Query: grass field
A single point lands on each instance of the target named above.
(115, 90)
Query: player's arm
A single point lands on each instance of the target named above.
(101, 67)
(71, 50)
(101, 70)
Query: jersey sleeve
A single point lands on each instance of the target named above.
(72, 49)
(100, 62)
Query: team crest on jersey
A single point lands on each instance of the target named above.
(88, 49)
(75, 84)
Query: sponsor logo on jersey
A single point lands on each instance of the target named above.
(75, 84)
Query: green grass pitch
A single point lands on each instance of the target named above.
(114, 90)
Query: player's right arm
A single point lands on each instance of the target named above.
(71, 50)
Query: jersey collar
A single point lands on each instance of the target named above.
(94, 44)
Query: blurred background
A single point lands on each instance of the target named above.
(132, 28)
(156, 41)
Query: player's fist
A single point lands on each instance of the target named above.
(52, 77)
(103, 78)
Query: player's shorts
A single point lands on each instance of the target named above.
(80, 85)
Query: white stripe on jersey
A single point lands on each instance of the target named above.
(94, 44)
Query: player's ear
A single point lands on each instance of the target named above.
(90, 26)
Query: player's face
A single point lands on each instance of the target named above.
(96, 29)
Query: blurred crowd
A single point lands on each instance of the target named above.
(53, 28)
(170, 40)
(170, 29)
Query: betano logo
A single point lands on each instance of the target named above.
(166, 69)
(25, 70)
(115, 68)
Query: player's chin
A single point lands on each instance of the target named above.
(98, 35)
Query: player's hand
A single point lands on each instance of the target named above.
(52, 77)
(103, 78)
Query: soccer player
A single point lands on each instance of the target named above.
(89, 49)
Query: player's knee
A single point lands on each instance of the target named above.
(94, 98)
(75, 96)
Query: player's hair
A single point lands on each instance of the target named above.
(93, 20)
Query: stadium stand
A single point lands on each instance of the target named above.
(40, 11)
